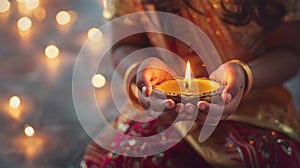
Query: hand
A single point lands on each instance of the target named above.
(234, 76)
(153, 71)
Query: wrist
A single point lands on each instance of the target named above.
(248, 77)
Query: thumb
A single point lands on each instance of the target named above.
(230, 91)
(143, 82)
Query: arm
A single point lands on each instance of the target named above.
(282, 60)
(278, 64)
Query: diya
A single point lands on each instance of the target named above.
(188, 89)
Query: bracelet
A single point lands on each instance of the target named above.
(129, 85)
(249, 76)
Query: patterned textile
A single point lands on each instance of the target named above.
(263, 132)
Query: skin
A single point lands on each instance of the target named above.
(282, 58)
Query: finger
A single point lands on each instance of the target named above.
(203, 106)
(169, 104)
(143, 81)
(144, 101)
(179, 107)
(190, 108)
(231, 89)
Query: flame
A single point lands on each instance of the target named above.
(104, 3)
(187, 78)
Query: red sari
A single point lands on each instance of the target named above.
(263, 132)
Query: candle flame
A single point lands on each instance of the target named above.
(104, 3)
(187, 77)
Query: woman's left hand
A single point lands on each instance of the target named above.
(233, 76)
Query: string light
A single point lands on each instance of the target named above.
(98, 80)
(32, 4)
(63, 17)
(29, 131)
(95, 35)
(40, 13)
(51, 51)
(4, 6)
(24, 24)
(14, 102)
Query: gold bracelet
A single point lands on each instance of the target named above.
(129, 85)
(249, 76)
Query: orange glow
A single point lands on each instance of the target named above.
(30, 146)
(40, 13)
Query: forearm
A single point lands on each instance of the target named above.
(121, 57)
(274, 68)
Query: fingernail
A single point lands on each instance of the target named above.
(168, 104)
(144, 90)
(202, 107)
(177, 109)
(228, 98)
(189, 109)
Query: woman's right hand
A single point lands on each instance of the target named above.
(153, 71)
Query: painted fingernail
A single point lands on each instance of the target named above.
(168, 104)
(202, 107)
(228, 98)
(189, 109)
(144, 90)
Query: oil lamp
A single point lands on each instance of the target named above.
(189, 89)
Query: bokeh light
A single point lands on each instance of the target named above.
(40, 13)
(95, 35)
(63, 17)
(24, 24)
(98, 80)
(32, 4)
(51, 51)
(29, 131)
(14, 102)
(4, 6)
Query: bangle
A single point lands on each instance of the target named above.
(129, 85)
(249, 76)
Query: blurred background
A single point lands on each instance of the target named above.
(39, 43)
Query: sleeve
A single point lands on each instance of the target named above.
(292, 10)
(115, 8)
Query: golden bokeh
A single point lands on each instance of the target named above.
(24, 24)
(4, 6)
(95, 35)
(63, 17)
(14, 102)
(29, 131)
(32, 4)
(40, 13)
(98, 80)
(51, 51)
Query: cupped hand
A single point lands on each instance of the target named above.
(153, 71)
(233, 76)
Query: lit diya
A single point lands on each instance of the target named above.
(188, 89)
